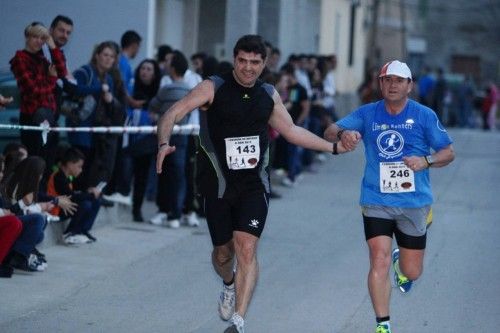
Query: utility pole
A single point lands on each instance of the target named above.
(373, 53)
(402, 13)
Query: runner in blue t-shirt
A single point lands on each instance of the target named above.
(402, 140)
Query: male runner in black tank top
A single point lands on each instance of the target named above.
(234, 177)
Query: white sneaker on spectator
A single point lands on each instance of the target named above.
(280, 172)
(191, 219)
(74, 239)
(320, 157)
(34, 264)
(158, 219)
(119, 198)
(51, 218)
(174, 224)
(299, 178)
(287, 182)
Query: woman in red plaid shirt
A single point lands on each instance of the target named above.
(36, 78)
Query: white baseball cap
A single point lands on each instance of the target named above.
(397, 68)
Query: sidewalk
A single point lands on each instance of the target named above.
(120, 242)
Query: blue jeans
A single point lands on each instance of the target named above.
(313, 126)
(172, 182)
(85, 215)
(32, 234)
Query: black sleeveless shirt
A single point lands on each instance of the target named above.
(236, 112)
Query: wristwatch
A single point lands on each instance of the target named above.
(429, 159)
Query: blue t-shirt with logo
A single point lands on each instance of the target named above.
(387, 138)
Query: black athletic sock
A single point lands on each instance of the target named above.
(230, 282)
(382, 319)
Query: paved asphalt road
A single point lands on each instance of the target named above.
(313, 260)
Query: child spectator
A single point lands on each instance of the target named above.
(61, 183)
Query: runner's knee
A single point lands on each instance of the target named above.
(222, 255)
(380, 261)
(411, 270)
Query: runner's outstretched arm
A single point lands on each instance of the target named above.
(201, 95)
(282, 122)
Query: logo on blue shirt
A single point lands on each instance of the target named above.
(390, 144)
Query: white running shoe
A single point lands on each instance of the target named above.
(119, 198)
(158, 219)
(174, 224)
(74, 239)
(226, 301)
(237, 324)
(191, 219)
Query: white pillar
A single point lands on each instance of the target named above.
(241, 19)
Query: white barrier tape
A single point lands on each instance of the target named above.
(45, 129)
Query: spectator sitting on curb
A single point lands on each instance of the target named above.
(88, 204)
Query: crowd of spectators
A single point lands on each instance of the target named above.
(68, 181)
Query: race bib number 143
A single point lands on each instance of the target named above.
(243, 152)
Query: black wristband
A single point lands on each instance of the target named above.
(339, 134)
(335, 152)
(163, 144)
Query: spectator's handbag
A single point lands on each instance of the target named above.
(140, 144)
(78, 109)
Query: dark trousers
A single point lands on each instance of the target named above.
(314, 126)
(172, 181)
(33, 139)
(122, 172)
(102, 158)
(32, 234)
(191, 203)
(85, 216)
(294, 160)
(141, 165)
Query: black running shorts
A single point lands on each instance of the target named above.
(408, 225)
(240, 211)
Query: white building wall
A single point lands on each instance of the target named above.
(299, 27)
(334, 38)
(169, 23)
(94, 21)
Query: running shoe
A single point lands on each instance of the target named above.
(173, 224)
(383, 328)
(119, 198)
(237, 324)
(191, 219)
(404, 284)
(158, 219)
(227, 301)
(90, 236)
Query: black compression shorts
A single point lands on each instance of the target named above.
(376, 226)
(240, 211)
